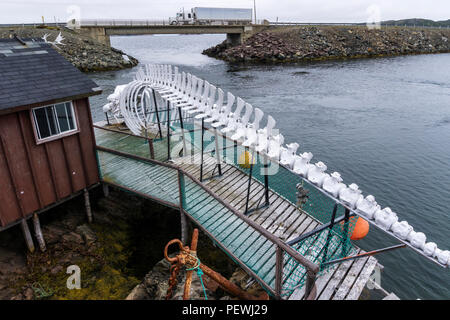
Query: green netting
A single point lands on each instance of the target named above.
(281, 180)
(298, 191)
(324, 246)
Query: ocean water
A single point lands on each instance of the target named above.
(383, 123)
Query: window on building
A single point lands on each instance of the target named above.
(54, 120)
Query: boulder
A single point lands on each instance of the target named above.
(86, 232)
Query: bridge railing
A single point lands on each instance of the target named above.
(124, 22)
(153, 22)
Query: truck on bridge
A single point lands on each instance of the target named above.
(213, 16)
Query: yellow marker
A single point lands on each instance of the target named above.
(245, 160)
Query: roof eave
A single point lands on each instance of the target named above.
(95, 91)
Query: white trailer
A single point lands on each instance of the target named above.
(213, 16)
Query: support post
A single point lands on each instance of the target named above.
(235, 152)
(182, 131)
(345, 236)
(27, 235)
(266, 180)
(38, 232)
(310, 285)
(279, 272)
(152, 149)
(234, 39)
(201, 155)
(224, 147)
(333, 217)
(187, 285)
(157, 113)
(182, 197)
(219, 162)
(105, 188)
(168, 130)
(249, 183)
(87, 204)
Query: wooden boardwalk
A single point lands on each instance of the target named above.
(248, 247)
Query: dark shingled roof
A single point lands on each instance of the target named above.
(36, 73)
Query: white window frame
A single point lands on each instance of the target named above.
(58, 135)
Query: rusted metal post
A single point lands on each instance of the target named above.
(87, 204)
(229, 286)
(279, 272)
(186, 258)
(27, 235)
(365, 254)
(38, 232)
(187, 285)
(310, 286)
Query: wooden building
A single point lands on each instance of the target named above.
(47, 143)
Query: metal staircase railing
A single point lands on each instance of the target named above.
(282, 248)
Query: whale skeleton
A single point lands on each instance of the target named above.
(192, 98)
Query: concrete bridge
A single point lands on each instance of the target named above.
(103, 30)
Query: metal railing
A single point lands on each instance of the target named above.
(312, 269)
(156, 22)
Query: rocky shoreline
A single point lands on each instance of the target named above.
(83, 52)
(114, 253)
(310, 43)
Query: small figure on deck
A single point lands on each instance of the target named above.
(302, 195)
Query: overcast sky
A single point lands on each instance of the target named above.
(18, 11)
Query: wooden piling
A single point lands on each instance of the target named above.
(27, 235)
(38, 232)
(87, 204)
(105, 190)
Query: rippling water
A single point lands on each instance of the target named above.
(383, 123)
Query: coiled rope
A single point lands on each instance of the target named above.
(199, 273)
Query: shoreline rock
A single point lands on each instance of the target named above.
(311, 43)
(155, 285)
(83, 52)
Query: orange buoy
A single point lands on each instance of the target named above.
(361, 228)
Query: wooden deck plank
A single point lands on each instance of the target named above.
(362, 279)
(352, 275)
(335, 280)
(321, 282)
